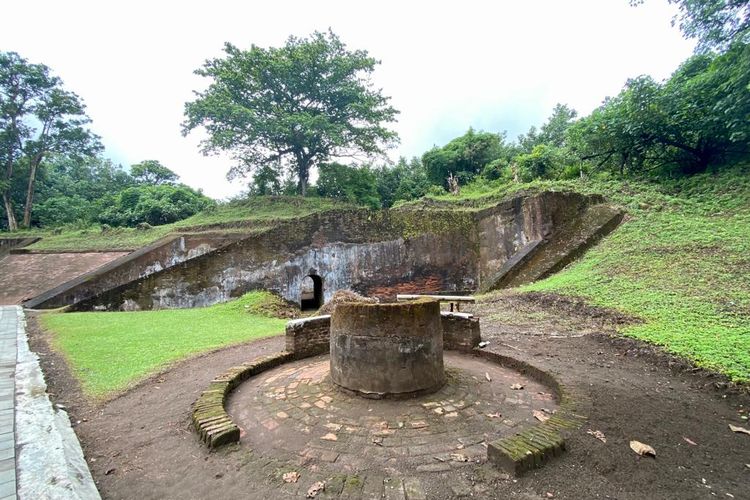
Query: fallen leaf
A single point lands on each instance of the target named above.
(291, 477)
(540, 415)
(459, 457)
(689, 441)
(741, 430)
(516, 387)
(315, 489)
(487, 376)
(598, 435)
(642, 448)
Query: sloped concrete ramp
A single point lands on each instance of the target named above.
(26, 275)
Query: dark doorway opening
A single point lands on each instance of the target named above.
(312, 292)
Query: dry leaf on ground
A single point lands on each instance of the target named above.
(516, 387)
(642, 448)
(291, 477)
(315, 489)
(540, 415)
(741, 430)
(598, 435)
(689, 441)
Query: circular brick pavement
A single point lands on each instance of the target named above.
(294, 413)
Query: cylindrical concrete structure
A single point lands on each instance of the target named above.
(382, 350)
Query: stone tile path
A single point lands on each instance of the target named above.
(294, 414)
(8, 331)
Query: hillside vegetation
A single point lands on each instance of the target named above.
(680, 262)
(247, 216)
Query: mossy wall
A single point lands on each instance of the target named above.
(373, 253)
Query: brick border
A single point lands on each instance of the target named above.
(211, 421)
(535, 446)
(526, 450)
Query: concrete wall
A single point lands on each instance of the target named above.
(513, 224)
(128, 268)
(377, 254)
(373, 253)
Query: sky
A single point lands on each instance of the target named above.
(492, 65)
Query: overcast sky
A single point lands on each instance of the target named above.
(492, 65)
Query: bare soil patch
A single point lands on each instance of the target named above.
(141, 445)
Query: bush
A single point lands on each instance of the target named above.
(154, 205)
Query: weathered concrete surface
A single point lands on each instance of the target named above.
(22, 276)
(378, 254)
(50, 461)
(380, 350)
(8, 244)
(128, 267)
(358, 250)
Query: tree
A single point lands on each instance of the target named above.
(552, 133)
(698, 118)
(37, 118)
(152, 172)
(464, 156)
(154, 204)
(352, 184)
(716, 24)
(299, 105)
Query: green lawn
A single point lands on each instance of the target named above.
(108, 351)
(682, 263)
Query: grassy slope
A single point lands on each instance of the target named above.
(681, 262)
(109, 351)
(252, 215)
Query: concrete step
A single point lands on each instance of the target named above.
(129, 267)
(568, 243)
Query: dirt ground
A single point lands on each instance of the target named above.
(141, 445)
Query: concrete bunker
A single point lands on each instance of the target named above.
(311, 297)
(387, 350)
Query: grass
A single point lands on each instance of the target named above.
(249, 215)
(110, 351)
(682, 263)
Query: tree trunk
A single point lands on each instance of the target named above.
(12, 224)
(303, 174)
(30, 194)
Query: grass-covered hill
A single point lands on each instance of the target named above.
(253, 214)
(680, 262)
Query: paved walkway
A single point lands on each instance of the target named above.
(40, 456)
(8, 332)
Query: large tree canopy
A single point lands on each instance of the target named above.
(294, 106)
(38, 118)
(716, 24)
(698, 118)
